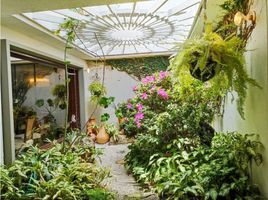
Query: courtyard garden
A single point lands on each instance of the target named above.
(167, 127)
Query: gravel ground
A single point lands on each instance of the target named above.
(120, 182)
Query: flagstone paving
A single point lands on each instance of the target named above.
(121, 182)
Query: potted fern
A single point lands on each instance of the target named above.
(217, 60)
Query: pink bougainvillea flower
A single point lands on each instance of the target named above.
(152, 89)
(135, 88)
(162, 93)
(139, 107)
(144, 81)
(139, 116)
(129, 105)
(144, 96)
(148, 79)
(138, 124)
(151, 78)
(162, 75)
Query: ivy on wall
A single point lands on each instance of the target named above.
(140, 67)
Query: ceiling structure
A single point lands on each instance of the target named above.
(142, 27)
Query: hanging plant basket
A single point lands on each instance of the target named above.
(212, 56)
(203, 74)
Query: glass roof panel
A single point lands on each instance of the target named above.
(152, 26)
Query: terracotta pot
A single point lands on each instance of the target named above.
(90, 126)
(102, 136)
(121, 120)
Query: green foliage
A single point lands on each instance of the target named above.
(105, 117)
(97, 90)
(50, 106)
(59, 92)
(106, 101)
(140, 67)
(51, 174)
(20, 112)
(175, 151)
(98, 194)
(40, 102)
(232, 6)
(226, 27)
(119, 113)
(19, 91)
(192, 171)
(225, 57)
(69, 26)
(112, 131)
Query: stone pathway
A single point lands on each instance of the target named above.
(120, 182)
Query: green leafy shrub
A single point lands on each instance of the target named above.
(176, 151)
(52, 174)
(194, 171)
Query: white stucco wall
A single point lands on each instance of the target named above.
(118, 85)
(256, 106)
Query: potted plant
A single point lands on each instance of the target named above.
(120, 113)
(91, 126)
(102, 136)
(112, 131)
(97, 90)
(212, 58)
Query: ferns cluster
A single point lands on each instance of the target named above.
(224, 56)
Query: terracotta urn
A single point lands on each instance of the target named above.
(102, 137)
(90, 126)
(120, 121)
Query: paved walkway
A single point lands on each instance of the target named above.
(120, 182)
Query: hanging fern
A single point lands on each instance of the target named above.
(224, 56)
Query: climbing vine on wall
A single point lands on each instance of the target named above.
(140, 67)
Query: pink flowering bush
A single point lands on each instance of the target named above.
(169, 109)
(152, 96)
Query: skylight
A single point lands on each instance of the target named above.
(143, 27)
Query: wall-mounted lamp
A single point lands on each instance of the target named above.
(239, 18)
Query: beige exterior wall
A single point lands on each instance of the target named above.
(256, 106)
